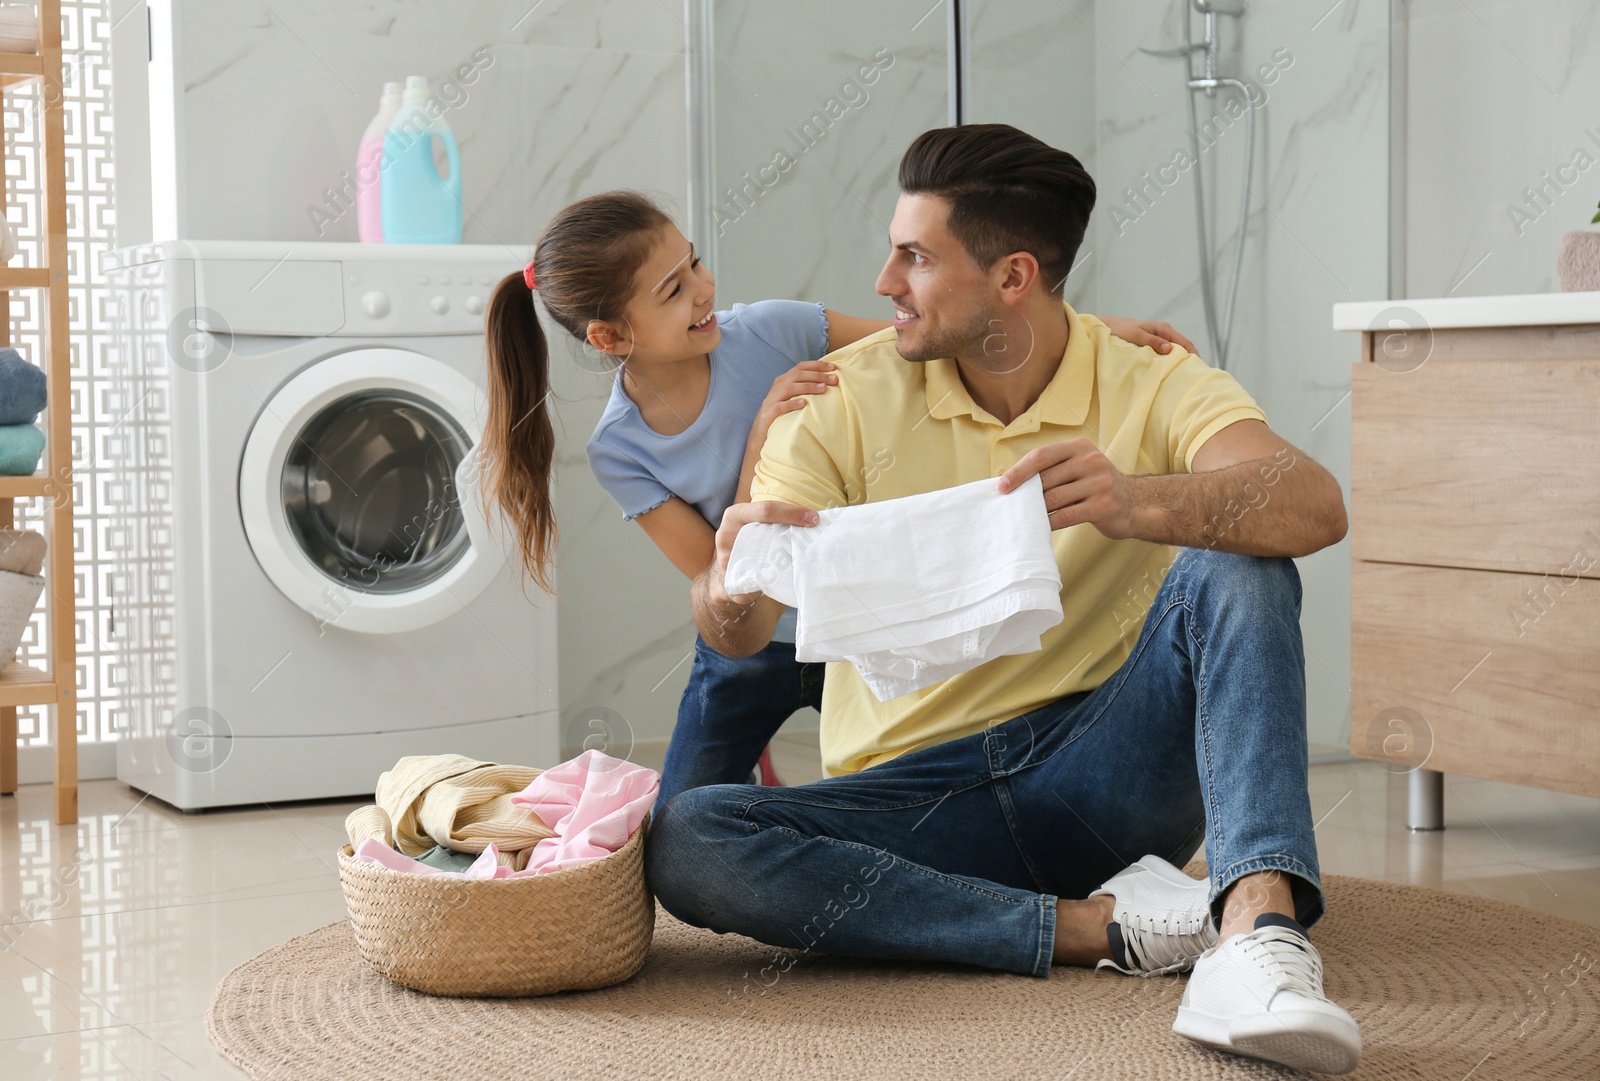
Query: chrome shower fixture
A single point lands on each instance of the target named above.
(1219, 318)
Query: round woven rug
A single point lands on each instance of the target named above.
(1444, 986)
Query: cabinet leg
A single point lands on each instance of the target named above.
(8, 714)
(66, 754)
(8, 750)
(1425, 799)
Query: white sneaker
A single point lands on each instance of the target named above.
(1163, 919)
(1260, 994)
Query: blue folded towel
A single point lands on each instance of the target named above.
(20, 448)
(22, 390)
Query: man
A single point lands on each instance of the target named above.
(999, 817)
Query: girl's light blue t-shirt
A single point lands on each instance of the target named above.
(641, 469)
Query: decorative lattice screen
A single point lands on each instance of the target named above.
(86, 47)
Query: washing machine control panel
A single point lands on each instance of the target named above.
(391, 299)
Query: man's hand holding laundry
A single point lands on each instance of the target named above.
(916, 589)
(912, 590)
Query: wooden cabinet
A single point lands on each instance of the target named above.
(1475, 535)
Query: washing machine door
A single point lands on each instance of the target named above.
(349, 495)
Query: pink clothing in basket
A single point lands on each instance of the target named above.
(594, 803)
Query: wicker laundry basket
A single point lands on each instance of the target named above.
(571, 930)
(19, 594)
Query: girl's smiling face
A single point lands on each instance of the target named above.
(669, 316)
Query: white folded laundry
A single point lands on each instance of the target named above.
(911, 591)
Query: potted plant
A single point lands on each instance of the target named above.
(1579, 261)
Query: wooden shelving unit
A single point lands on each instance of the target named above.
(20, 684)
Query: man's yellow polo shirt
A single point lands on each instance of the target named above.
(893, 428)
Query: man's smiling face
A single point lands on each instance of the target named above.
(942, 298)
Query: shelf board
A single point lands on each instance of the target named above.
(25, 685)
(24, 277)
(26, 487)
(18, 68)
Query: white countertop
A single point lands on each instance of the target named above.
(1528, 310)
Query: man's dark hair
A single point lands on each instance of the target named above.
(1007, 191)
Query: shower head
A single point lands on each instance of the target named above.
(1220, 7)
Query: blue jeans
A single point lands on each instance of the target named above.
(729, 712)
(958, 851)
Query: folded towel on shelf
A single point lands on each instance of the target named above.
(20, 448)
(914, 590)
(22, 389)
(22, 551)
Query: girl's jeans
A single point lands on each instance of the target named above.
(958, 851)
(729, 712)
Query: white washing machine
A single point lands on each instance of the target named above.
(305, 588)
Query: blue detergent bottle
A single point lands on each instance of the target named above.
(419, 206)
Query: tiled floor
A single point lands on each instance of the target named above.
(113, 932)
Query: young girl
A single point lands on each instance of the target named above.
(695, 393)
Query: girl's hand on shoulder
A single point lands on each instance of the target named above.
(789, 390)
(1158, 336)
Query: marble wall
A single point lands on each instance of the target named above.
(563, 98)
(1503, 142)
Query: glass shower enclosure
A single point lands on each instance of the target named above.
(799, 115)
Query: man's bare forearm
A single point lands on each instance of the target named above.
(730, 628)
(1285, 505)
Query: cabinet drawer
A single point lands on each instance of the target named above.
(1493, 464)
(1463, 666)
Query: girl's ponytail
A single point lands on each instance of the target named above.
(519, 441)
(586, 259)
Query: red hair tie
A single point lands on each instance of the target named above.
(529, 277)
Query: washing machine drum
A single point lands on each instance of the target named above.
(357, 496)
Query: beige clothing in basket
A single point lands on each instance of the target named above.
(454, 801)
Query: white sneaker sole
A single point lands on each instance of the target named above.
(1301, 1039)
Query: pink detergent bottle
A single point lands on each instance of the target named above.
(369, 168)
